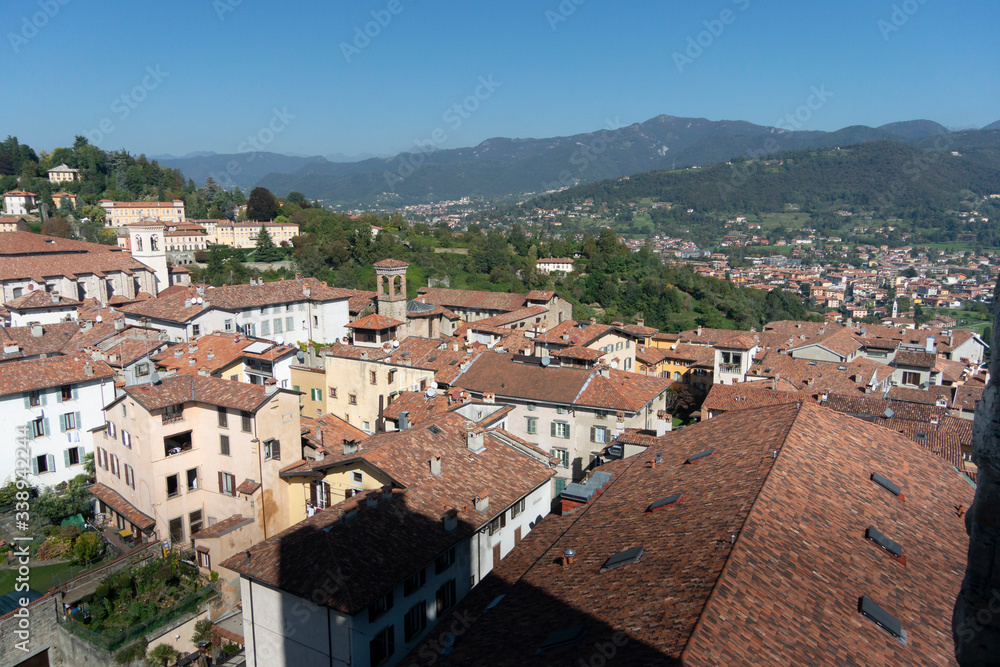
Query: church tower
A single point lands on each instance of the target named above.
(391, 277)
(147, 242)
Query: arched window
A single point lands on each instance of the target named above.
(152, 243)
(138, 243)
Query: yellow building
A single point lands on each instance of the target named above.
(244, 234)
(63, 174)
(121, 213)
(311, 381)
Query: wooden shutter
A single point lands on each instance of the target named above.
(312, 493)
(46, 430)
(517, 536)
(552, 429)
(62, 423)
(59, 398)
(66, 457)
(50, 461)
(34, 464)
(76, 393)
(276, 450)
(593, 434)
(79, 422)
(221, 487)
(27, 400)
(44, 397)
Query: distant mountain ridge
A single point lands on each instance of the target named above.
(502, 167)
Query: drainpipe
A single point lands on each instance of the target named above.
(260, 473)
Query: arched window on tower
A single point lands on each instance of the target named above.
(138, 243)
(152, 243)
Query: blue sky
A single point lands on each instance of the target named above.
(208, 74)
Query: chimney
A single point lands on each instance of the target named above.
(298, 275)
(211, 354)
(350, 446)
(640, 321)
(55, 298)
(475, 440)
(119, 324)
(387, 493)
(178, 353)
(191, 361)
(435, 464)
(450, 520)
(404, 420)
(568, 556)
(593, 320)
(187, 302)
(565, 336)
(482, 502)
(371, 500)
(699, 331)
(88, 370)
(489, 397)
(664, 423)
(931, 346)
(454, 346)
(620, 422)
(203, 371)
(364, 356)
(37, 331)
(605, 370)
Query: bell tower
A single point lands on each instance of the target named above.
(146, 239)
(391, 277)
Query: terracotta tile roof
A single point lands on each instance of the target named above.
(390, 264)
(363, 554)
(745, 396)
(700, 355)
(876, 406)
(751, 562)
(504, 319)
(35, 257)
(555, 260)
(639, 331)
(951, 371)
(704, 336)
(650, 355)
(52, 341)
(966, 397)
(248, 487)
(114, 500)
(573, 333)
(33, 374)
(576, 352)
(215, 351)
(474, 299)
(418, 405)
(501, 375)
(929, 396)
(841, 341)
(375, 322)
(915, 359)
(227, 525)
(333, 432)
(179, 389)
(358, 300)
(539, 295)
(235, 298)
(39, 300)
(738, 342)
(820, 376)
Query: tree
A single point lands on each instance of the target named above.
(266, 250)
(262, 205)
(203, 632)
(161, 655)
(87, 547)
(57, 227)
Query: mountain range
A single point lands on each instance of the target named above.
(503, 167)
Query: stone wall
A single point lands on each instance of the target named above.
(38, 619)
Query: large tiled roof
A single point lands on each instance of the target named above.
(504, 319)
(763, 558)
(572, 333)
(418, 406)
(234, 298)
(876, 406)
(915, 359)
(966, 397)
(32, 256)
(358, 300)
(840, 341)
(40, 300)
(52, 341)
(378, 548)
(820, 376)
(745, 396)
(34, 374)
(928, 396)
(375, 322)
(181, 389)
(390, 264)
(473, 299)
(501, 375)
(213, 352)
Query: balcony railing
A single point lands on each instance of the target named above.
(730, 368)
(170, 418)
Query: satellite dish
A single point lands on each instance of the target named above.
(99, 319)
(395, 343)
(545, 362)
(430, 392)
(279, 340)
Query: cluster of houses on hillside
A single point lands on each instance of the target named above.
(363, 470)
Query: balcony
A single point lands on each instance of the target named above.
(730, 368)
(173, 413)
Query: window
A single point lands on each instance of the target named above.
(224, 445)
(560, 411)
(277, 325)
(391, 376)
(372, 377)
(124, 410)
(115, 470)
(66, 392)
(423, 385)
(227, 325)
(911, 378)
(223, 418)
(70, 421)
(265, 328)
(227, 484)
(414, 582)
(598, 434)
(358, 477)
(173, 485)
(380, 606)
(444, 561)
(560, 430)
(498, 524)
(289, 322)
(445, 597)
(315, 320)
(44, 463)
(532, 425)
(517, 508)
(129, 476)
(195, 330)
(415, 620)
(531, 407)
(173, 413)
(247, 425)
(177, 530)
(382, 646)
(563, 456)
(272, 450)
(126, 438)
(112, 431)
(142, 369)
(316, 394)
(38, 427)
(34, 399)
(195, 521)
(192, 479)
(352, 399)
(333, 392)
(73, 456)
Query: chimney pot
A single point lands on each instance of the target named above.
(435, 464)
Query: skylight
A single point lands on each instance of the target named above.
(886, 484)
(434, 429)
(880, 539)
(889, 414)
(563, 638)
(881, 617)
(622, 558)
(700, 455)
(663, 502)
